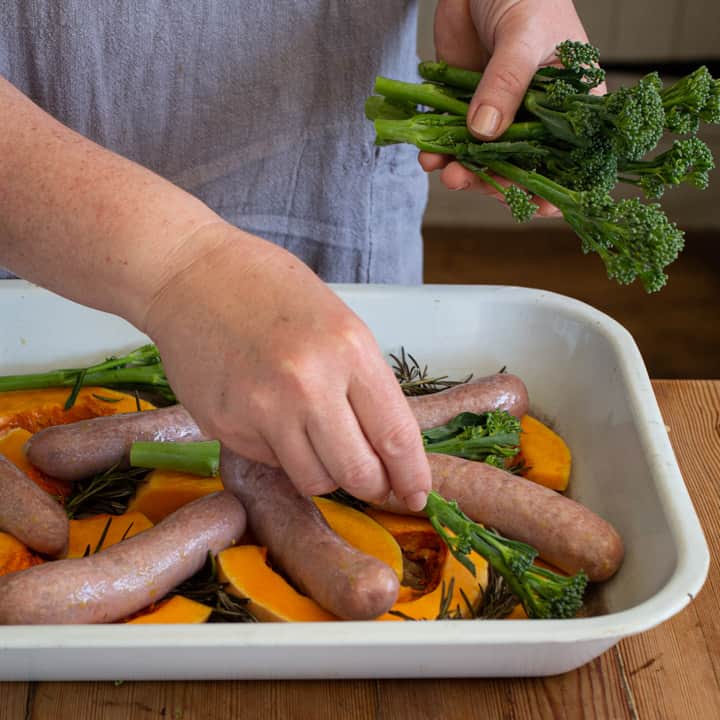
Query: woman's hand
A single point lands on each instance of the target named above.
(508, 40)
(271, 362)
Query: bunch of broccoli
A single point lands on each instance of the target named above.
(571, 147)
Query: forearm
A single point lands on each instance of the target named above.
(85, 222)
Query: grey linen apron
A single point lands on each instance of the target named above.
(255, 107)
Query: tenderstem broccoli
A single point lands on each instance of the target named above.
(571, 147)
(542, 592)
(142, 368)
(492, 437)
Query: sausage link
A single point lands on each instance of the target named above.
(501, 391)
(87, 447)
(29, 513)
(128, 576)
(564, 532)
(345, 581)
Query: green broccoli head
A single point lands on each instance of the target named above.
(636, 241)
(637, 116)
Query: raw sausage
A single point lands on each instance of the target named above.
(29, 513)
(345, 581)
(128, 576)
(81, 449)
(564, 532)
(501, 391)
(87, 447)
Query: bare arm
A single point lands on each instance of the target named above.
(262, 353)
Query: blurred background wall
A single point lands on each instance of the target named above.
(472, 239)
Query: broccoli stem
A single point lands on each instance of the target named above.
(429, 95)
(198, 458)
(543, 593)
(141, 367)
(441, 72)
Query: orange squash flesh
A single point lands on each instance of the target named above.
(415, 534)
(362, 532)
(11, 446)
(545, 453)
(164, 491)
(34, 410)
(88, 531)
(174, 610)
(271, 598)
(14, 555)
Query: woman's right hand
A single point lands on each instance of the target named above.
(272, 363)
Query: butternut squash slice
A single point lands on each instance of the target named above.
(422, 545)
(11, 446)
(87, 532)
(422, 548)
(164, 491)
(14, 555)
(38, 409)
(271, 598)
(545, 453)
(362, 532)
(174, 610)
(464, 583)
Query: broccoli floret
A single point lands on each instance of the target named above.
(635, 241)
(631, 118)
(689, 160)
(684, 100)
(492, 436)
(710, 112)
(593, 167)
(543, 593)
(574, 150)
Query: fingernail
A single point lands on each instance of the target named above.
(464, 186)
(486, 121)
(416, 501)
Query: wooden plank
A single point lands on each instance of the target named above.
(267, 700)
(15, 699)
(674, 670)
(592, 692)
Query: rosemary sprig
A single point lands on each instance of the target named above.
(108, 492)
(497, 600)
(415, 380)
(204, 587)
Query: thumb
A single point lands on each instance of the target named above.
(502, 87)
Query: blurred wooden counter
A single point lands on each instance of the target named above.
(670, 672)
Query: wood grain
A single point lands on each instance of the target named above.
(672, 671)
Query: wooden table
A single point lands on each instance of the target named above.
(670, 672)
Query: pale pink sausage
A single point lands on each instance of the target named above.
(564, 532)
(128, 576)
(28, 513)
(345, 581)
(501, 391)
(87, 447)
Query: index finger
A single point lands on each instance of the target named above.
(393, 432)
